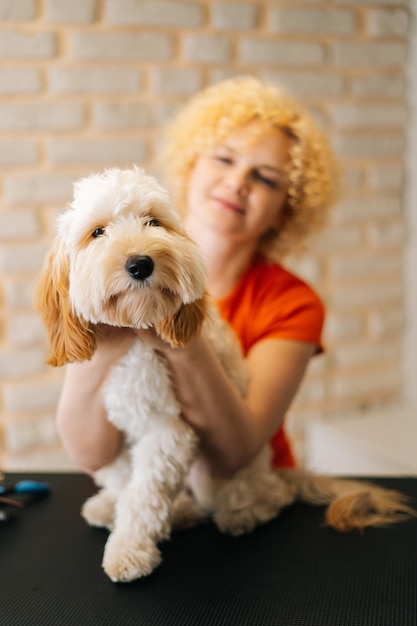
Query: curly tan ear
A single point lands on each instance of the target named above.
(70, 338)
(184, 324)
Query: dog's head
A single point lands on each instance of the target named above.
(121, 257)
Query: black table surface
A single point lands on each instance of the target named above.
(291, 572)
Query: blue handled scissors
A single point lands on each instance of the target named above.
(26, 486)
(31, 488)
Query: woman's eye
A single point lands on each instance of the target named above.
(266, 181)
(223, 159)
(98, 232)
(152, 221)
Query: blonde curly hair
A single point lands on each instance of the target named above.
(214, 113)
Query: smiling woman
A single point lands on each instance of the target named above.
(302, 155)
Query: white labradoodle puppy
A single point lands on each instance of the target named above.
(121, 257)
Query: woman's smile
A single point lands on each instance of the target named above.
(228, 205)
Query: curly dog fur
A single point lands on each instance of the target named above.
(121, 257)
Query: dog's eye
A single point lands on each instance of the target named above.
(98, 232)
(152, 221)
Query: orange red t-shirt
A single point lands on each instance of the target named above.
(269, 302)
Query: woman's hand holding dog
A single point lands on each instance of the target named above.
(232, 429)
(82, 401)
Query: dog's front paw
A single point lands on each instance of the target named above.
(125, 560)
(99, 510)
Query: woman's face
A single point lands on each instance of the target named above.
(239, 187)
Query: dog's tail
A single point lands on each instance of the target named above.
(352, 503)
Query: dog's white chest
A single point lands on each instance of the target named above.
(139, 393)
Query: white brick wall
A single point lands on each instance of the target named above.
(366, 267)
(365, 296)
(370, 145)
(315, 21)
(410, 220)
(375, 2)
(120, 115)
(365, 209)
(96, 151)
(41, 116)
(154, 13)
(385, 323)
(20, 45)
(386, 177)
(367, 116)
(19, 224)
(235, 16)
(340, 327)
(19, 80)
(67, 11)
(22, 258)
(177, 81)
(361, 354)
(207, 49)
(25, 434)
(98, 80)
(18, 293)
(90, 84)
(270, 52)
(17, 363)
(378, 382)
(140, 46)
(23, 329)
(23, 10)
(370, 53)
(387, 23)
(18, 152)
(30, 397)
(310, 84)
(391, 235)
(374, 85)
(37, 189)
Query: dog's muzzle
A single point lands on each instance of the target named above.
(140, 267)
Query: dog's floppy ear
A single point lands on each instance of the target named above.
(184, 324)
(70, 338)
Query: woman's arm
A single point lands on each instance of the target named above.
(89, 438)
(232, 430)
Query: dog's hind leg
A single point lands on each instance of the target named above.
(99, 509)
(186, 512)
(254, 496)
(160, 462)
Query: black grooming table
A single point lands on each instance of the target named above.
(290, 572)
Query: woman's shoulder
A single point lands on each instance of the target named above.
(276, 281)
(283, 305)
(270, 301)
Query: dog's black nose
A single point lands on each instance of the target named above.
(140, 267)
